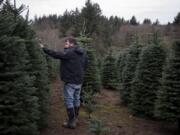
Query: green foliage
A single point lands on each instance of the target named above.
(88, 95)
(24, 80)
(168, 102)
(89, 108)
(19, 105)
(97, 127)
(100, 68)
(110, 78)
(88, 100)
(39, 69)
(92, 73)
(52, 67)
(128, 72)
(121, 64)
(18, 99)
(147, 79)
(70, 23)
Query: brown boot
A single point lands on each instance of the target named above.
(71, 122)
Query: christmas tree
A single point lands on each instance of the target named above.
(39, 69)
(19, 105)
(110, 78)
(147, 80)
(24, 80)
(168, 102)
(92, 73)
(128, 72)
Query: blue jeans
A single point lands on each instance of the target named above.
(72, 95)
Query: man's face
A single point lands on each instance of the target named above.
(67, 44)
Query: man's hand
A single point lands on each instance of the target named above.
(41, 45)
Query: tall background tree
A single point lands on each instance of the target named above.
(90, 16)
(147, 21)
(177, 19)
(133, 21)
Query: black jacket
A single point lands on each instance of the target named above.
(73, 63)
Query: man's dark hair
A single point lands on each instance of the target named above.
(72, 40)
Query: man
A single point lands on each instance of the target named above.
(73, 64)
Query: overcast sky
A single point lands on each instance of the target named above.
(164, 10)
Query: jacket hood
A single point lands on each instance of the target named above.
(79, 50)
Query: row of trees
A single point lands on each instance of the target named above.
(24, 78)
(149, 80)
(147, 77)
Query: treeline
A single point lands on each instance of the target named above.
(24, 75)
(106, 32)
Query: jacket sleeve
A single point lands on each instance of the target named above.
(57, 54)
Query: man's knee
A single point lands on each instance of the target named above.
(77, 102)
(69, 102)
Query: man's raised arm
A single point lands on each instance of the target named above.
(55, 54)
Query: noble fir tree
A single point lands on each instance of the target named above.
(168, 101)
(30, 93)
(92, 73)
(120, 65)
(147, 79)
(97, 127)
(128, 71)
(39, 69)
(52, 67)
(19, 104)
(110, 77)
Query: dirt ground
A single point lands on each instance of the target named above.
(109, 110)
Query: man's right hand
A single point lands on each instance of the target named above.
(41, 45)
